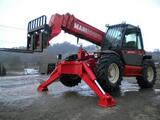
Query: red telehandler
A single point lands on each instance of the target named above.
(122, 54)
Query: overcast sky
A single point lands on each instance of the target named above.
(15, 14)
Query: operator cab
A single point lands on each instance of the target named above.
(125, 39)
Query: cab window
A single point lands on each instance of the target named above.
(132, 41)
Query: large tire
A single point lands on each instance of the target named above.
(109, 72)
(148, 78)
(70, 80)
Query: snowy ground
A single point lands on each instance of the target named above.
(19, 100)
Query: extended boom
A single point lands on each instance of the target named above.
(37, 29)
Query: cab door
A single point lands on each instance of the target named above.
(132, 48)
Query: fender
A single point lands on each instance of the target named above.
(109, 52)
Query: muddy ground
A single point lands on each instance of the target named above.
(19, 100)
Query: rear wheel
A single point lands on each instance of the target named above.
(148, 78)
(109, 72)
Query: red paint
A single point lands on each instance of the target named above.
(132, 70)
(83, 55)
(74, 26)
(82, 70)
(134, 52)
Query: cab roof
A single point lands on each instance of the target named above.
(124, 25)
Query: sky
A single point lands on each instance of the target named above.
(15, 15)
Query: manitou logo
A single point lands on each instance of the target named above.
(86, 30)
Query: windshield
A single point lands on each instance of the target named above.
(113, 37)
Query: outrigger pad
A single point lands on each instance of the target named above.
(107, 101)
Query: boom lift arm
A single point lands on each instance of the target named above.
(39, 33)
(76, 27)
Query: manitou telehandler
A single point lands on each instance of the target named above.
(122, 54)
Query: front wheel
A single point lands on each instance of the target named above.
(148, 77)
(109, 72)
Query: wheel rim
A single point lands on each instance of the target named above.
(113, 73)
(150, 74)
